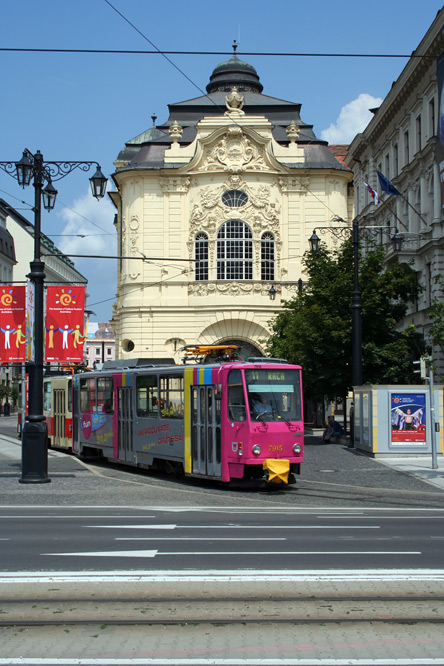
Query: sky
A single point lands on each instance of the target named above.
(77, 106)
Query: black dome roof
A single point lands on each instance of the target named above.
(234, 73)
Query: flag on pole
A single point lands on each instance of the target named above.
(386, 185)
(373, 194)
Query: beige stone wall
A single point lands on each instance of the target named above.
(160, 305)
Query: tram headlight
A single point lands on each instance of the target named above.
(296, 448)
(256, 449)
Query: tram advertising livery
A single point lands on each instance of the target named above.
(229, 421)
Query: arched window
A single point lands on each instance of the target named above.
(201, 256)
(234, 198)
(267, 256)
(234, 251)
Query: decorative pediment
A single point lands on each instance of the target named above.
(235, 151)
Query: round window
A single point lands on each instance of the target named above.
(128, 345)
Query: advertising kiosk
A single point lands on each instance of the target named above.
(398, 420)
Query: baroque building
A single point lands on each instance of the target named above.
(214, 210)
(400, 142)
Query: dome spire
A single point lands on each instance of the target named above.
(234, 73)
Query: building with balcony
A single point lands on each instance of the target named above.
(400, 142)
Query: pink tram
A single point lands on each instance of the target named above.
(234, 421)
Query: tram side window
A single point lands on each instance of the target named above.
(46, 396)
(171, 397)
(69, 391)
(236, 398)
(88, 396)
(105, 395)
(147, 396)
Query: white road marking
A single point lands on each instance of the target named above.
(217, 509)
(82, 517)
(109, 553)
(131, 527)
(235, 527)
(200, 539)
(153, 553)
(147, 661)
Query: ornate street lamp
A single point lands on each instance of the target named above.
(33, 167)
(98, 184)
(355, 231)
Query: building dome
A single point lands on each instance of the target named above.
(234, 73)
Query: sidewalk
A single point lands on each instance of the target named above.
(417, 466)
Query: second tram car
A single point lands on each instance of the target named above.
(232, 421)
(57, 409)
(57, 401)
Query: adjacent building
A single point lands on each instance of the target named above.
(214, 210)
(100, 344)
(17, 232)
(400, 142)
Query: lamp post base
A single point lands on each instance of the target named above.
(35, 453)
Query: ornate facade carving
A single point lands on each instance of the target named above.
(234, 103)
(227, 288)
(234, 152)
(175, 131)
(261, 212)
(294, 184)
(130, 244)
(178, 184)
(293, 131)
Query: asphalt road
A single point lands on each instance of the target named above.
(109, 565)
(234, 539)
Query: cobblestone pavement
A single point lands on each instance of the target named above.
(332, 475)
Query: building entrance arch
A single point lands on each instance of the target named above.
(246, 349)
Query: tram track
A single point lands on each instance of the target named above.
(364, 603)
(399, 612)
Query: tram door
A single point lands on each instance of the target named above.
(58, 413)
(206, 435)
(125, 427)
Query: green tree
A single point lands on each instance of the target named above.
(436, 316)
(315, 328)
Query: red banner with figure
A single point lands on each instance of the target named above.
(64, 336)
(12, 324)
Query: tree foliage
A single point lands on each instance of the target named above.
(315, 328)
(436, 316)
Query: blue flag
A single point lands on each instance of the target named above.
(386, 185)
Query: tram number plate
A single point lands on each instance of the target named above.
(275, 447)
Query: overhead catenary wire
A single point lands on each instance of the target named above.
(205, 94)
(267, 54)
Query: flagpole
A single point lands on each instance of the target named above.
(385, 203)
(414, 209)
(390, 189)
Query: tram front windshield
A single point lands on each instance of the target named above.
(274, 395)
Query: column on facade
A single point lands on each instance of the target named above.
(436, 195)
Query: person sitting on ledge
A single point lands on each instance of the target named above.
(333, 430)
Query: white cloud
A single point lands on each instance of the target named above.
(89, 230)
(353, 118)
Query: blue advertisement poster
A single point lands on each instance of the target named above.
(408, 416)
